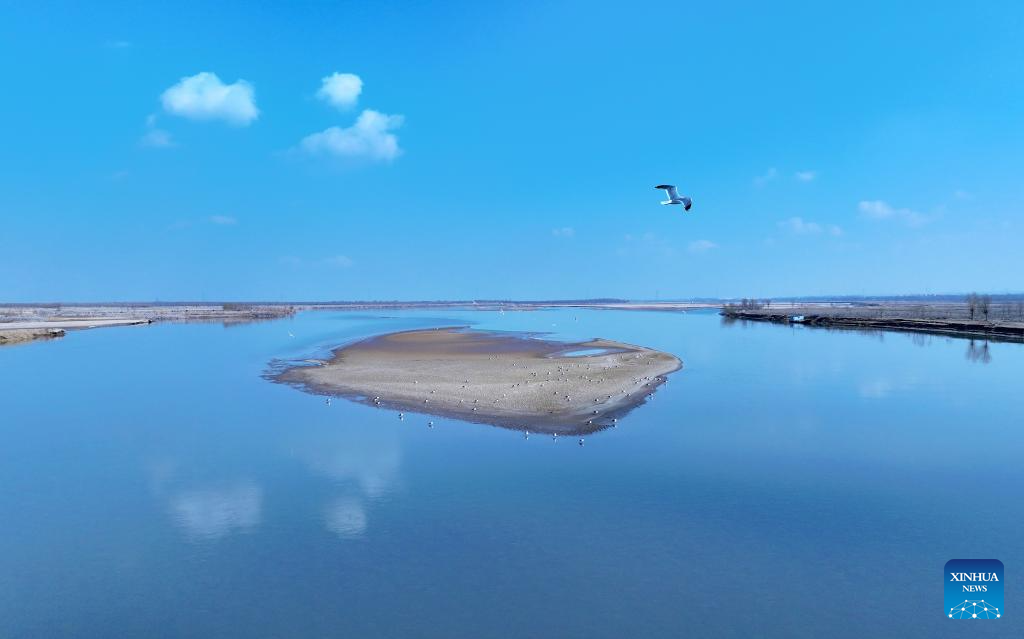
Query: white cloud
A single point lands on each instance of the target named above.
(701, 246)
(806, 176)
(646, 246)
(368, 138)
(340, 90)
(157, 138)
(339, 261)
(223, 220)
(800, 226)
(565, 231)
(768, 176)
(876, 209)
(879, 210)
(204, 97)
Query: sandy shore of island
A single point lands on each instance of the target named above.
(22, 335)
(505, 379)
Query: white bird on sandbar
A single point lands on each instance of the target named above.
(674, 197)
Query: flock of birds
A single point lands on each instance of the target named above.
(564, 371)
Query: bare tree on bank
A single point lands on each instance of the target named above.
(746, 304)
(984, 305)
(972, 305)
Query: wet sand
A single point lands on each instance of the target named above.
(505, 379)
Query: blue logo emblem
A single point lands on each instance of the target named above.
(974, 589)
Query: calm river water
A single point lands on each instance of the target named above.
(788, 482)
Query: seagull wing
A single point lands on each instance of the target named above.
(670, 189)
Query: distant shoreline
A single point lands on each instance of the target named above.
(39, 319)
(170, 308)
(29, 322)
(509, 380)
(839, 319)
(937, 315)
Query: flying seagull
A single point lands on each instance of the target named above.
(674, 197)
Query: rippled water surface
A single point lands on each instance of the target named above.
(788, 482)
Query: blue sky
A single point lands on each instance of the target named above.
(509, 151)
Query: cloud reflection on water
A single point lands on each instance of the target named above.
(213, 513)
(370, 461)
(346, 517)
(364, 465)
